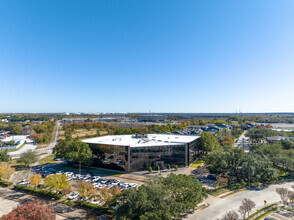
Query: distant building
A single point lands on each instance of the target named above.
(140, 151)
(26, 130)
(152, 118)
(277, 138)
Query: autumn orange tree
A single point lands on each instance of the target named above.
(86, 190)
(5, 171)
(34, 210)
(35, 180)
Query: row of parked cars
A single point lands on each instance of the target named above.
(99, 182)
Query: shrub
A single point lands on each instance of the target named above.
(40, 192)
(5, 183)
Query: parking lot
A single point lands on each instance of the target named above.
(101, 181)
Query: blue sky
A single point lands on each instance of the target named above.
(136, 56)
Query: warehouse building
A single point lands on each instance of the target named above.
(138, 152)
(152, 118)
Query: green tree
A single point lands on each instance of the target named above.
(75, 150)
(176, 167)
(158, 168)
(29, 157)
(168, 166)
(209, 142)
(162, 198)
(56, 182)
(4, 156)
(150, 169)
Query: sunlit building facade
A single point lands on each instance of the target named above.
(138, 152)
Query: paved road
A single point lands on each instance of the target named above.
(49, 150)
(243, 142)
(218, 207)
(29, 146)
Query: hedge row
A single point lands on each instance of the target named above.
(267, 207)
(39, 192)
(88, 205)
(265, 214)
(5, 183)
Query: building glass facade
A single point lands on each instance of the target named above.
(126, 158)
(143, 157)
(110, 156)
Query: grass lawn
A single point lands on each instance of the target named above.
(197, 164)
(97, 171)
(48, 159)
(14, 163)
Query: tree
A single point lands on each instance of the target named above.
(228, 141)
(5, 171)
(35, 180)
(75, 150)
(176, 167)
(29, 157)
(222, 181)
(283, 193)
(230, 215)
(84, 189)
(168, 166)
(34, 210)
(56, 182)
(66, 190)
(37, 137)
(150, 169)
(4, 156)
(242, 211)
(209, 142)
(246, 207)
(236, 133)
(158, 168)
(161, 198)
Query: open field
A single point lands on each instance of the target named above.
(82, 133)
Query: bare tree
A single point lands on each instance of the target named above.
(231, 215)
(291, 197)
(242, 211)
(292, 186)
(246, 207)
(248, 204)
(283, 193)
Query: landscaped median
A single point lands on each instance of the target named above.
(59, 198)
(38, 192)
(268, 209)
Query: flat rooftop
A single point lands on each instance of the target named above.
(150, 140)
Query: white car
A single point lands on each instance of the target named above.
(23, 182)
(73, 196)
(131, 185)
(95, 178)
(96, 202)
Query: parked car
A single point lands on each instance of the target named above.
(96, 202)
(74, 195)
(23, 182)
(211, 177)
